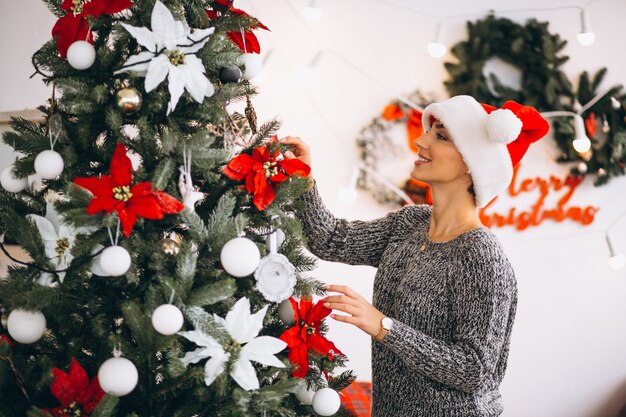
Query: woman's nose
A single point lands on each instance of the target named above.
(419, 141)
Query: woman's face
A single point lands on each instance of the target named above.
(439, 161)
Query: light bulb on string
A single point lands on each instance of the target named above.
(581, 142)
(437, 49)
(586, 37)
(307, 73)
(616, 259)
(312, 12)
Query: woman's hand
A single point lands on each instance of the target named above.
(301, 150)
(361, 313)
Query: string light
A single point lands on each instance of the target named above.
(437, 49)
(312, 12)
(586, 37)
(616, 259)
(348, 194)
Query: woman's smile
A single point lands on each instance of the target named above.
(421, 160)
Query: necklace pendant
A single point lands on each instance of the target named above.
(422, 247)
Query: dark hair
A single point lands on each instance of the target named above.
(470, 190)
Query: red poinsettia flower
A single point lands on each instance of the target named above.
(591, 124)
(5, 339)
(78, 396)
(305, 335)
(115, 193)
(245, 40)
(74, 26)
(262, 170)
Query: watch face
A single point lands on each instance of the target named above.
(387, 323)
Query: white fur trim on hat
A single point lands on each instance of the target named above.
(489, 161)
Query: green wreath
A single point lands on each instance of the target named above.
(537, 53)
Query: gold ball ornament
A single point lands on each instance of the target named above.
(128, 100)
(170, 245)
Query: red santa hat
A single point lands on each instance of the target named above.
(491, 140)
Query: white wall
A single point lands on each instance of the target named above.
(567, 355)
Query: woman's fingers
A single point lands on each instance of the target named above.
(344, 319)
(344, 290)
(346, 308)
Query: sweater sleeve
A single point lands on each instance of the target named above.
(339, 240)
(483, 300)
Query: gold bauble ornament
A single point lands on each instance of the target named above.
(170, 245)
(128, 100)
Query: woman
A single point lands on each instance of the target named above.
(444, 293)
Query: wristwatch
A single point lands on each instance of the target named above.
(386, 324)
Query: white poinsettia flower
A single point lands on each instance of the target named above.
(243, 328)
(171, 46)
(58, 239)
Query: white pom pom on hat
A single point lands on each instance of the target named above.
(503, 126)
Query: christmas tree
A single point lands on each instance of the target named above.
(167, 275)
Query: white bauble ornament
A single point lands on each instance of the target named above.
(326, 402)
(305, 395)
(118, 376)
(26, 326)
(286, 313)
(253, 65)
(115, 261)
(49, 164)
(167, 319)
(240, 257)
(10, 182)
(81, 55)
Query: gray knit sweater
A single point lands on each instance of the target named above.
(452, 303)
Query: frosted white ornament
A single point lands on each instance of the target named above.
(240, 257)
(286, 313)
(275, 277)
(167, 319)
(115, 261)
(81, 55)
(118, 376)
(10, 182)
(253, 65)
(326, 402)
(49, 164)
(305, 395)
(26, 326)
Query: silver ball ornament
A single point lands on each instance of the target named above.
(118, 376)
(286, 313)
(49, 164)
(128, 100)
(26, 326)
(115, 261)
(81, 55)
(10, 182)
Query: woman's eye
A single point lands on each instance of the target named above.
(441, 137)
